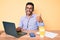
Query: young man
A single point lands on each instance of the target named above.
(29, 22)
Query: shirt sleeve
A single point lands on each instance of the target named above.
(40, 24)
(21, 23)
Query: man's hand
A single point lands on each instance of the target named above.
(18, 29)
(39, 19)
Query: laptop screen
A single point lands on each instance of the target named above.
(10, 28)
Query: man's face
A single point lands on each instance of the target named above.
(29, 9)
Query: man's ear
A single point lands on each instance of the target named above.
(39, 19)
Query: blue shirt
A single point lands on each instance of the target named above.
(29, 23)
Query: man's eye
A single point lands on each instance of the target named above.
(28, 8)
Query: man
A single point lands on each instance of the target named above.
(29, 22)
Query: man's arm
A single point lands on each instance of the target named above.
(20, 25)
(39, 21)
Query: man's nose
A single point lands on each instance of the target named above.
(28, 9)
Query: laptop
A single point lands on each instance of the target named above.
(10, 29)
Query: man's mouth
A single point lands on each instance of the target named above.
(28, 11)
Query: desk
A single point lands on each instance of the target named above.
(4, 36)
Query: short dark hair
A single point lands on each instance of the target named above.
(30, 3)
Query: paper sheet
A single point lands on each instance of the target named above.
(50, 34)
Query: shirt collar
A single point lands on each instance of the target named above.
(31, 16)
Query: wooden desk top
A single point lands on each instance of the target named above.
(4, 36)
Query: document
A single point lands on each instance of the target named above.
(49, 34)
